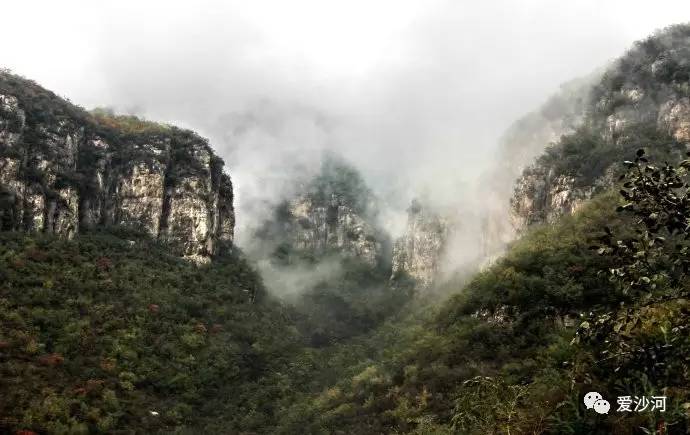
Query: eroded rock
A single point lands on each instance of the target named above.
(67, 170)
(418, 252)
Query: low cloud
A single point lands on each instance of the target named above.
(415, 94)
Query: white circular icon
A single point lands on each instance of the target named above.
(591, 398)
(602, 406)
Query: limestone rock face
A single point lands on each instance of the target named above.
(69, 171)
(329, 214)
(334, 226)
(645, 91)
(540, 196)
(525, 140)
(674, 118)
(419, 250)
(140, 195)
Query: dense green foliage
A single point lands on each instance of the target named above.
(500, 357)
(586, 156)
(508, 354)
(510, 324)
(109, 333)
(97, 332)
(645, 340)
(658, 64)
(353, 301)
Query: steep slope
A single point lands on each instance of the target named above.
(417, 253)
(63, 170)
(641, 101)
(334, 212)
(525, 140)
(507, 325)
(499, 356)
(516, 349)
(104, 328)
(110, 333)
(324, 253)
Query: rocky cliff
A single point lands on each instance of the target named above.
(542, 196)
(524, 140)
(418, 252)
(642, 100)
(332, 226)
(332, 213)
(63, 170)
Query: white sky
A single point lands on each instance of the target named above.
(416, 93)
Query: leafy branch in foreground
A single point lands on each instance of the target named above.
(642, 336)
(656, 255)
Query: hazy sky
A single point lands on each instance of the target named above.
(416, 93)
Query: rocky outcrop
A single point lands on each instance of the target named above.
(63, 171)
(418, 252)
(524, 140)
(332, 227)
(646, 90)
(542, 196)
(674, 118)
(329, 213)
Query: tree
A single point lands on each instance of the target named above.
(641, 341)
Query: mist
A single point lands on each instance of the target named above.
(415, 94)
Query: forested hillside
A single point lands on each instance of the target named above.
(568, 309)
(138, 315)
(108, 332)
(641, 100)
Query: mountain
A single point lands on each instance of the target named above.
(333, 212)
(642, 100)
(418, 252)
(519, 146)
(64, 170)
(325, 253)
(592, 295)
(109, 332)
(490, 359)
(105, 327)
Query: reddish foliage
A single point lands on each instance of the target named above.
(107, 364)
(661, 427)
(81, 391)
(575, 269)
(4, 344)
(94, 385)
(36, 255)
(104, 264)
(216, 328)
(18, 263)
(25, 432)
(153, 308)
(51, 360)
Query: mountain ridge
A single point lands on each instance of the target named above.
(641, 101)
(64, 170)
